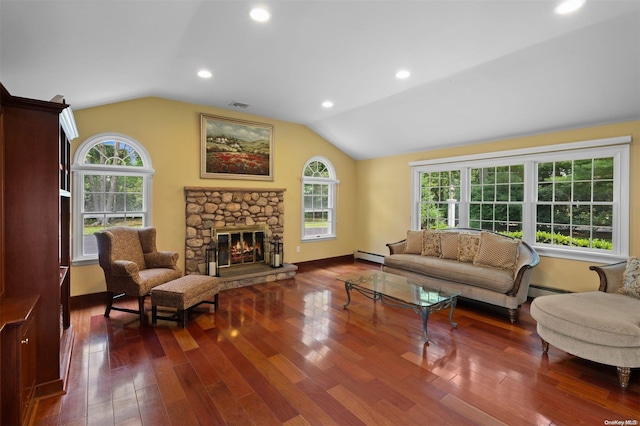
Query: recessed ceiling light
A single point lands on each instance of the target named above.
(402, 74)
(259, 14)
(568, 6)
(327, 104)
(204, 74)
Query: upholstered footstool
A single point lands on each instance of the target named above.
(183, 293)
(598, 326)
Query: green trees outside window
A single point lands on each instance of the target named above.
(112, 199)
(317, 212)
(439, 189)
(497, 196)
(575, 203)
(572, 200)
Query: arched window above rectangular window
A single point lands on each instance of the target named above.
(318, 200)
(112, 178)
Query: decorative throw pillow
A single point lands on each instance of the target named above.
(414, 242)
(497, 251)
(431, 243)
(449, 245)
(468, 244)
(631, 278)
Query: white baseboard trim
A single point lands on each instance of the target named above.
(371, 257)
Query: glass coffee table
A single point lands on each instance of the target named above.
(394, 290)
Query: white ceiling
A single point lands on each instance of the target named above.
(482, 70)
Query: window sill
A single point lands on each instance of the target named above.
(84, 261)
(582, 256)
(318, 238)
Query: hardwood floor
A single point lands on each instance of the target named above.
(287, 352)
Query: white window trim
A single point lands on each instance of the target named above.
(79, 169)
(333, 198)
(617, 147)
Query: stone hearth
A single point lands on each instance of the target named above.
(245, 275)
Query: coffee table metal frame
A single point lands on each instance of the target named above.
(424, 300)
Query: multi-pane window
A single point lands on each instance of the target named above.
(112, 177)
(438, 199)
(112, 200)
(318, 199)
(570, 202)
(497, 196)
(575, 203)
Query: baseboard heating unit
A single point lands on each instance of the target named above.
(371, 257)
(536, 290)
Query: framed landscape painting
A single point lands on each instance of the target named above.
(235, 149)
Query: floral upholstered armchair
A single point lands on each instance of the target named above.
(132, 265)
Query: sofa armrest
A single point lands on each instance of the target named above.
(610, 276)
(527, 259)
(124, 268)
(522, 280)
(161, 259)
(397, 247)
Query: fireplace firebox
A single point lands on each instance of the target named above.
(240, 245)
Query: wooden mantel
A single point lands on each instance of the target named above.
(230, 189)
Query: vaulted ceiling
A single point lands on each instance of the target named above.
(481, 70)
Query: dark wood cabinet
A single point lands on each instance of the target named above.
(64, 237)
(19, 339)
(27, 368)
(35, 202)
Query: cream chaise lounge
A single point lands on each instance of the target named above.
(601, 326)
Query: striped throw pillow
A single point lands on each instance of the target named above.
(497, 251)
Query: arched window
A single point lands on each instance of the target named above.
(112, 178)
(319, 185)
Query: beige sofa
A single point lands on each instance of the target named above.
(601, 326)
(480, 265)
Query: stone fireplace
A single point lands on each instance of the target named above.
(243, 220)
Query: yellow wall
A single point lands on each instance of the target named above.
(384, 199)
(170, 132)
(374, 196)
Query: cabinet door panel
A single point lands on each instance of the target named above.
(28, 343)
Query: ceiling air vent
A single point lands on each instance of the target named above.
(240, 105)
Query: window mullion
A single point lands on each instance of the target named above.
(621, 193)
(465, 197)
(530, 199)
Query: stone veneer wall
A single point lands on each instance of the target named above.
(208, 208)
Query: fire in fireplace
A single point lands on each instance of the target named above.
(240, 245)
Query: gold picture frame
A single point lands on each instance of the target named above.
(235, 149)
